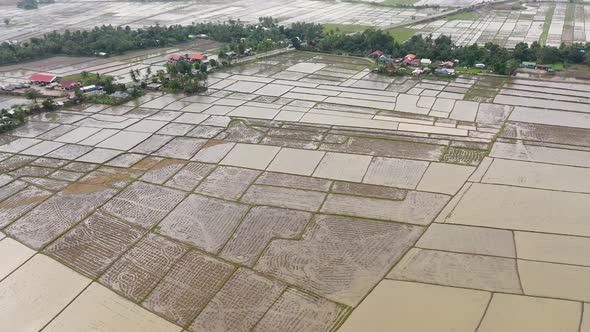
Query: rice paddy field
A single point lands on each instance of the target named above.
(303, 193)
(72, 15)
(549, 22)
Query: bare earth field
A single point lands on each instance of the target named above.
(303, 193)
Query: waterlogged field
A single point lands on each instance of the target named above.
(549, 23)
(301, 193)
(86, 15)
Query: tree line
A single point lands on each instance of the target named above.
(268, 34)
(500, 59)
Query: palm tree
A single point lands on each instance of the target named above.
(33, 95)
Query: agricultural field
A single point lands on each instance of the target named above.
(547, 22)
(302, 192)
(86, 15)
(401, 34)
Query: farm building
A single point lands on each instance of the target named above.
(412, 62)
(196, 57)
(42, 78)
(376, 54)
(545, 67)
(529, 65)
(175, 58)
(89, 88)
(68, 84)
(447, 64)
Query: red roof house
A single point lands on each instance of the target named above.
(412, 62)
(410, 56)
(42, 78)
(197, 57)
(175, 58)
(447, 64)
(68, 84)
(377, 53)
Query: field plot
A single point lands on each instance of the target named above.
(300, 190)
(86, 15)
(544, 22)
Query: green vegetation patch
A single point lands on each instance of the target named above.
(567, 36)
(485, 88)
(344, 28)
(76, 77)
(402, 34)
(463, 156)
(86, 78)
(480, 94)
(557, 66)
(106, 100)
(547, 24)
(469, 70)
(465, 16)
(570, 14)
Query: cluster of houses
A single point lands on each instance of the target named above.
(420, 65)
(49, 82)
(53, 82)
(410, 60)
(204, 59)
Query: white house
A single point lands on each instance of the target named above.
(425, 62)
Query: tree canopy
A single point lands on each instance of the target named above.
(116, 40)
